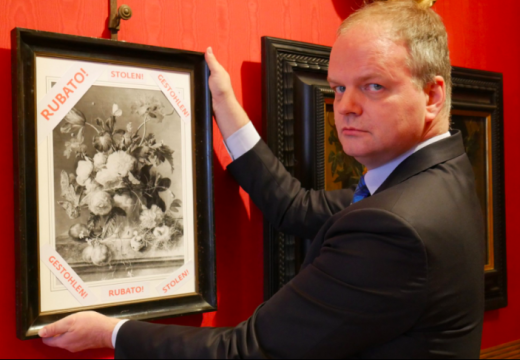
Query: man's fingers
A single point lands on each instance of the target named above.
(56, 329)
(62, 342)
(212, 61)
(52, 341)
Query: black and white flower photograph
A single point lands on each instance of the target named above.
(118, 185)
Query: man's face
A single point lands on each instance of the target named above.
(379, 111)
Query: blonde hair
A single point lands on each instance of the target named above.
(422, 31)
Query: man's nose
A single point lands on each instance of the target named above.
(349, 103)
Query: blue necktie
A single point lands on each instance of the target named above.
(362, 191)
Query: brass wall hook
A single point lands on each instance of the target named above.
(116, 15)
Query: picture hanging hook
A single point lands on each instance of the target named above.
(116, 15)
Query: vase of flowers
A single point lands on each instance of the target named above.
(119, 183)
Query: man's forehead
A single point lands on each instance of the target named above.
(369, 50)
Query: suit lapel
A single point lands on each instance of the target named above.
(425, 159)
(432, 155)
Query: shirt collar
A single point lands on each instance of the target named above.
(376, 177)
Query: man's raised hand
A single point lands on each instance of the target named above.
(219, 81)
(229, 114)
(82, 331)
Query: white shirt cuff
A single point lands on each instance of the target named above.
(242, 141)
(116, 331)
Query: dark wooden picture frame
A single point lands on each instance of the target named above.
(478, 97)
(26, 46)
(295, 93)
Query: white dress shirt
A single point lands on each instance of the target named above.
(376, 177)
(247, 138)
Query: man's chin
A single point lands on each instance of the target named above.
(357, 154)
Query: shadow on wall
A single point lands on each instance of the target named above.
(251, 73)
(346, 7)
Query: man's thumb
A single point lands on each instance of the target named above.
(46, 332)
(213, 64)
(55, 329)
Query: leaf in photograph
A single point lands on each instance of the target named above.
(93, 222)
(134, 144)
(114, 223)
(100, 122)
(110, 124)
(167, 197)
(172, 203)
(68, 191)
(164, 153)
(72, 211)
(65, 129)
(150, 138)
(120, 140)
(141, 111)
(169, 220)
(176, 204)
(164, 184)
(65, 183)
(153, 196)
(74, 145)
(145, 175)
(86, 199)
(156, 115)
(133, 180)
(156, 199)
(103, 142)
(79, 136)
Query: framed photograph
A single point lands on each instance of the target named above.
(477, 111)
(113, 174)
(299, 120)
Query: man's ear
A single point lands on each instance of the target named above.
(435, 93)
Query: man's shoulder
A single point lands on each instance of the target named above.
(440, 201)
(439, 187)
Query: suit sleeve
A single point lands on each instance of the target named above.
(366, 288)
(281, 198)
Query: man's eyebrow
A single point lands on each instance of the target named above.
(371, 75)
(361, 78)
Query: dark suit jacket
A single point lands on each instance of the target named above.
(397, 275)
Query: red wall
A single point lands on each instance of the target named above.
(479, 39)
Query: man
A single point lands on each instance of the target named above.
(399, 273)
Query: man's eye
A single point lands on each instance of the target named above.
(375, 87)
(340, 89)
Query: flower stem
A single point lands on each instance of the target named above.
(144, 130)
(92, 126)
(137, 196)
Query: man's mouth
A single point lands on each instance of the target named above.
(351, 131)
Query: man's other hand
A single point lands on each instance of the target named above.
(219, 81)
(83, 331)
(229, 114)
